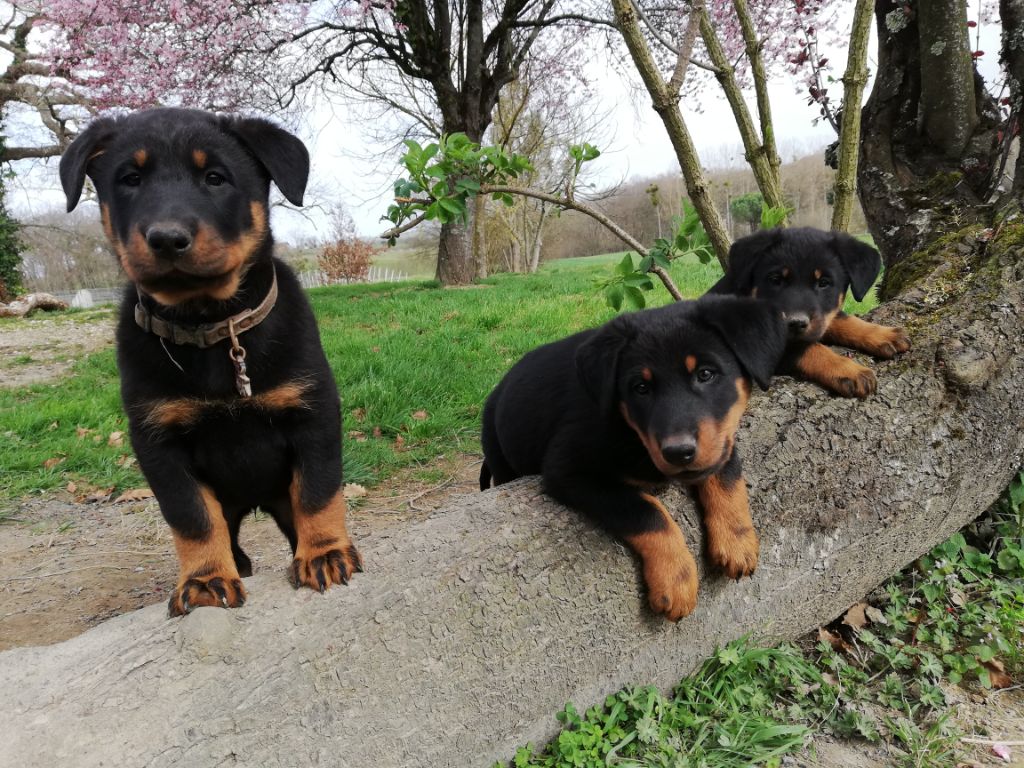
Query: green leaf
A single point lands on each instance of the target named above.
(634, 297)
(452, 206)
(613, 294)
(625, 267)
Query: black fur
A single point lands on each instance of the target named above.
(806, 274)
(148, 176)
(564, 410)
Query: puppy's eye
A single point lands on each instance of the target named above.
(131, 179)
(704, 375)
(775, 279)
(824, 282)
(642, 388)
(214, 179)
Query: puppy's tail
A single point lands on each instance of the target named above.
(485, 477)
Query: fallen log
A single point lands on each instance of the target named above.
(25, 305)
(469, 630)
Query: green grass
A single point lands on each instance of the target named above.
(395, 350)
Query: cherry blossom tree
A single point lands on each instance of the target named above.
(67, 59)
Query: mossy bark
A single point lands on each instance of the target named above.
(849, 137)
(917, 182)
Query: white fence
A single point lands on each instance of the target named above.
(316, 278)
(90, 297)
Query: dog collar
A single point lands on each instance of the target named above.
(208, 334)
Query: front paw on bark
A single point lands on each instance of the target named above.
(221, 588)
(320, 569)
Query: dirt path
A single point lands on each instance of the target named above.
(42, 347)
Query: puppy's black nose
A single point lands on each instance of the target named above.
(168, 241)
(798, 323)
(680, 452)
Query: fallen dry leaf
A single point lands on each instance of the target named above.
(126, 461)
(116, 439)
(359, 437)
(359, 414)
(82, 432)
(875, 616)
(1002, 752)
(53, 462)
(135, 494)
(72, 487)
(832, 639)
(354, 491)
(997, 674)
(377, 432)
(399, 443)
(855, 618)
(420, 415)
(53, 425)
(98, 495)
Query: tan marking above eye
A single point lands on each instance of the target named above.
(691, 363)
(785, 271)
(140, 156)
(199, 158)
(817, 274)
(646, 374)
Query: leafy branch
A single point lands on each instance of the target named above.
(443, 177)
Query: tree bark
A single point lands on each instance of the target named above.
(947, 93)
(666, 104)
(466, 632)
(911, 187)
(455, 263)
(849, 133)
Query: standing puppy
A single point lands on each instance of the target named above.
(806, 273)
(649, 398)
(230, 401)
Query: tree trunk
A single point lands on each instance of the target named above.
(666, 103)
(911, 187)
(466, 632)
(849, 135)
(455, 264)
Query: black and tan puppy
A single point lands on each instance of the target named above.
(230, 401)
(649, 398)
(806, 273)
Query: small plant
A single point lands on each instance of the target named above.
(347, 259)
(631, 279)
(737, 710)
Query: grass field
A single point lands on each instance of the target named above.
(413, 362)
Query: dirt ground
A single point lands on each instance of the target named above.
(43, 346)
(67, 566)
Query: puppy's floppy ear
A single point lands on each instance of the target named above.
(753, 329)
(597, 359)
(283, 155)
(861, 262)
(74, 163)
(743, 255)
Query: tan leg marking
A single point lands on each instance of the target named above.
(877, 340)
(670, 571)
(732, 540)
(207, 573)
(836, 373)
(324, 554)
